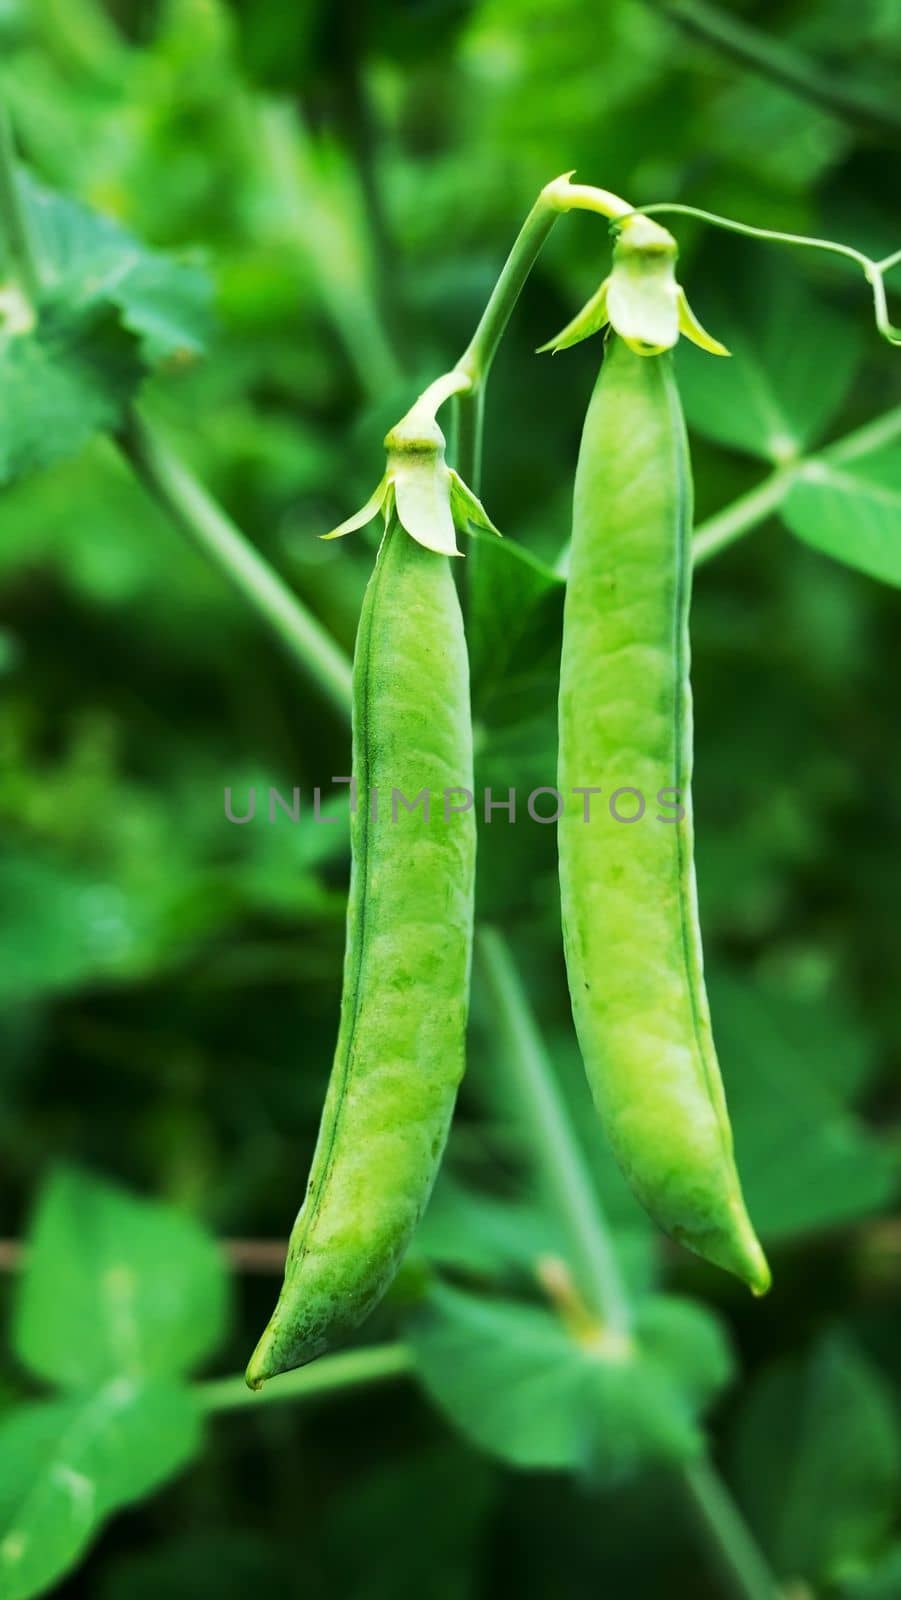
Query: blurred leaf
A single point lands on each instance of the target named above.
(115, 1286)
(66, 927)
(817, 1461)
(518, 1384)
(87, 259)
(441, 1496)
(67, 380)
(66, 1465)
(850, 515)
(482, 1233)
(789, 1064)
(882, 1582)
(793, 361)
(514, 625)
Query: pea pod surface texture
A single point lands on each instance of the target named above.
(400, 1051)
(630, 917)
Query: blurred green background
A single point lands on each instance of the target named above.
(351, 176)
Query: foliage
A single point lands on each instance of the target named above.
(170, 980)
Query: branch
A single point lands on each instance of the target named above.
(174, 486)
(349, 1369)
(782, 63)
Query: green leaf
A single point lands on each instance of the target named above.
(790, 1063)
(66, 927)
(115, 1285)
(793, 361)
(67, 379)
(847, 513)
(817, 1461)
(108, 309)
(86, 258)
(517, 1383)
(65, 1465)
(483, 1233)
(514, 625)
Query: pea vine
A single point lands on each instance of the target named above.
(531, 1078)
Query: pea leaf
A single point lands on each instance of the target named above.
(483, 1233)
(518, 1384)
(806, 1161)
(109, 308)
(66, 1465)
(818, 1510)
(513, 626)
(115, 1286)
(851, 512)
(793, 360)
(86, 259)
(67, 379)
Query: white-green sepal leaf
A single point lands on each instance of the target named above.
(643, 304)
(378, 501)
(590, 320)
(422, 493)
(467, 509)
(695, 331)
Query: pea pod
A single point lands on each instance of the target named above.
(400, 1050)
(631, 931)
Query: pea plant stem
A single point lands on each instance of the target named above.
(741, 1560)
(174, 486)
(741, 515)
(350, 1369)
(558, 1154)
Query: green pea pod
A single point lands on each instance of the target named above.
(632, 938)
(400, 1051)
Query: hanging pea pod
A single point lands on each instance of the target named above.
(630, 919)
(400, 1051)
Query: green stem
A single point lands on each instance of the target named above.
(872, 436)
(17, 246)
(480, 352)
(744, 513)
(562, 1165)
(349, 1369)
(741, 1559)
(172, 483)
(774, 59)
(556, 197)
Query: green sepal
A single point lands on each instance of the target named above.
(467, 508)
(641, 299)
(432, 502)
(693, 330)
(422, 488)
(378, 501)
(592, 318)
